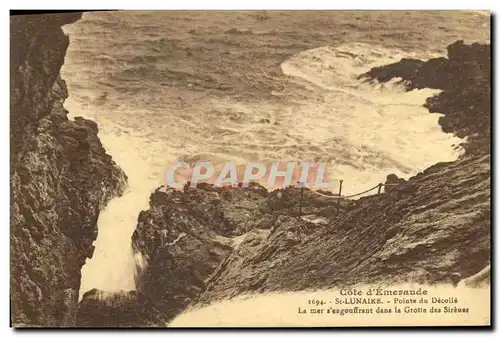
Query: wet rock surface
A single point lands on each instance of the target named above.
(430, 229)
(61, 177)
(120, 309)
(464, 76)
(185, 235)
(437, 225)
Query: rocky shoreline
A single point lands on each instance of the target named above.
(464, 78)
(206, 244)
(432, 229)
(412, 233)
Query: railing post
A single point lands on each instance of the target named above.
(340, 193)
(380, 187)
(301, 184)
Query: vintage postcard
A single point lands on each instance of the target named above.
(250, 169)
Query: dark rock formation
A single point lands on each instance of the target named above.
(465, 80)
(437, 225)
(61, 177)
(184, 236)
(118, 309)
(179, 238)
(429, 229)
(393, 183)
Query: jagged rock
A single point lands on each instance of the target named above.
(180, 240)
(425, 231)
(289, 201)
(440, 228)
(99, 309)
(60, 178)
(392, 182)
(465, 100)
(267, 221)
(185, 235)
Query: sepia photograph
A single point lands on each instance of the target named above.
(258, 168)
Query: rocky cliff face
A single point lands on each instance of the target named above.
(61, 177)
(185, 236)
(211, 244)
(430, 228)
(433, 228)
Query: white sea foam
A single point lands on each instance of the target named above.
(370, 129)
(113, 264)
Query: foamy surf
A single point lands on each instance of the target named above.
(113, 265)
(370, 129)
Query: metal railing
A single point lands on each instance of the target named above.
(340, 196)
